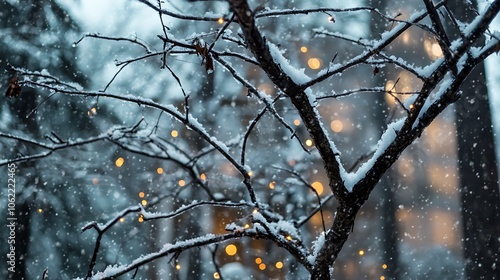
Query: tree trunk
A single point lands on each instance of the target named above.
(389, 241)
(335, 239)
(479, 190)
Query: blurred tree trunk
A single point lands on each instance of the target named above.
(479, 190)
(388, 183)
(46, 19)
(480, 200)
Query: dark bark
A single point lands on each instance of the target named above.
(335, 239)
(477, 166)
(350, 203)
(390, 248)
(480, 200)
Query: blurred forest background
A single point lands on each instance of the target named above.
(411, 227)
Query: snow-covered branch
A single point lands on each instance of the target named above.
(248, 72)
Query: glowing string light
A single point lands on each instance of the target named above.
(119, 162)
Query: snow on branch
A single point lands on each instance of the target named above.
(441, 80)
(189, 121)
(282, 232)
(386, 38)
(182, 16)
(113, 271)
(49, 148)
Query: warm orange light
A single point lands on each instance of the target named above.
(231, 250)
(289, 238)
(216, 275)
(140, 219)
(247, 226)
(336, 125)
(436, 50)
(272, 185)
(141, 194)
(178, 266)
(220, 21)
(314, 63)
(174, 133)
(203, 177)
(92, 112)
(296, 122)
(182, 183)
(309, 142)
(262, 266)
(119, 162)
(318, 187)
(40, 210)
(390, 86)
(144, 202)
(279, 265)
(250, 173)
(384, 266)
(303, 49)
(361, 252)
(159, 170)
(258, 260)
(122, 219)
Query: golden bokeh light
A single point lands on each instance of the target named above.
(296, 122)
(144, 202)
(303, 49)
(279, 265)
(182, 183)
(314, 63)
(258, 260)
(119, 162)
(361, 252)
(220, 21)
(309, 143)
(92, 112)
(141, 194)
(159, 170)
(262, 266)
(231, 250)
(272, 185)
(432, 49)
(336, 125)
(216, 275)
(318, 187)
(174, 133)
